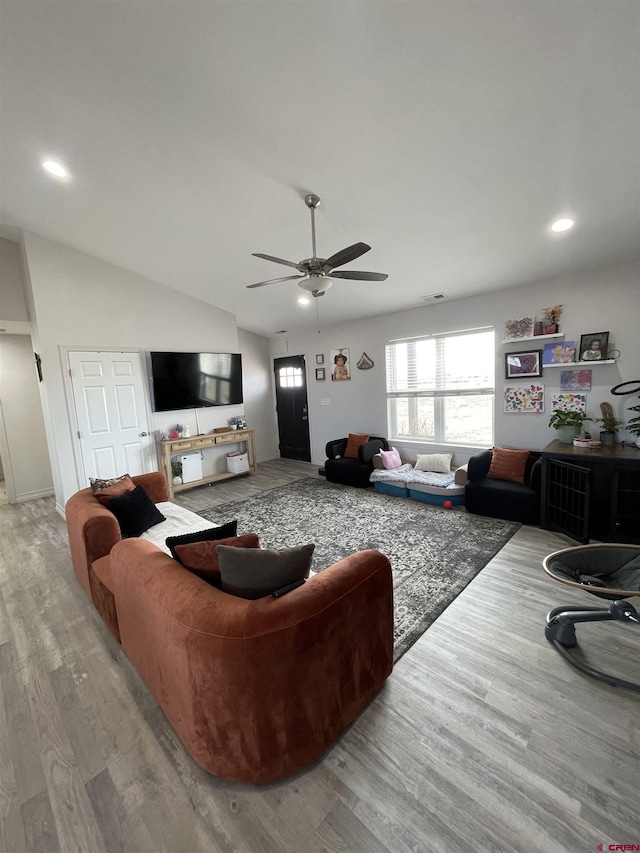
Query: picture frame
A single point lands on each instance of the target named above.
(320, 374)
(593, 346)
(341, 369)
(520, 328)
(320, 358)
(559, 353)
(527, 363)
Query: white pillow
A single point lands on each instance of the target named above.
(439, 463)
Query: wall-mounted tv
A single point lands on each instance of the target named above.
(191, 380)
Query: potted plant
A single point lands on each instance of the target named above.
(634, 424)
(568, 424)
(609, 423)
(551, 316)
(176, 471)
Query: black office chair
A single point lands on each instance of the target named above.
(609, 571)
(352, 471)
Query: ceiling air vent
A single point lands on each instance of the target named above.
(433, 297)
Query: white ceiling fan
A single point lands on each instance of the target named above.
(317, 274)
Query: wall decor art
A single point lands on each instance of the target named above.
(521, 399)
(320, 358)
(516, 329)
(340, 360)
(575, 380)
(593, 346)
(365, 363)
(559, 353)
(569, 403)
(320, 374)
(527, 363)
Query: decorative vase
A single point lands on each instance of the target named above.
(551, 328)
(566, 434)
(177, 481)
(607, 437)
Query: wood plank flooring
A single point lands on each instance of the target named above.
(483, 739)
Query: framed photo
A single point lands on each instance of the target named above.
(559, 353)
(320, 359)
(593, 346)
(320, 376)
(516, 329)
(339, 358)
(523, 363)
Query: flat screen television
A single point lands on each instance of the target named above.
(192, 380)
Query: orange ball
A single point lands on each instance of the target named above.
(447, 505)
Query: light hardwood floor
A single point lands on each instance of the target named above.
(483, 739)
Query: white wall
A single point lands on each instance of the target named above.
(13, 305)
(22, 437)
(604, 300)
(81, 302)
(23, 444)
(259, 406)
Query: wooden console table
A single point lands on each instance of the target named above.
(592, 493)
(246, 437)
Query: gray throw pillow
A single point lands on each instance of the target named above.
(254, 573)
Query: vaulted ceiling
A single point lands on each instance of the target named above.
(446, 135)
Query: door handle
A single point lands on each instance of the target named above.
(143, 434)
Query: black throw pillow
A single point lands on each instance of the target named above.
(224, 531)
(135, 511)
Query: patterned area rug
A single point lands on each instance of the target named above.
(434, 552)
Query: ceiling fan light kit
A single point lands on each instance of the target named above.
(317, 274)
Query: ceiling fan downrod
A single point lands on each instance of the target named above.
(312, 201)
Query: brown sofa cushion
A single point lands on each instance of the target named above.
(508, 464)
(120, 487)
(201, 558)
(254, 574)
(223, 531)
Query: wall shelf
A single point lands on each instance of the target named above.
(533, 338)
(595, 363)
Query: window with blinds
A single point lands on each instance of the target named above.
(440, 389)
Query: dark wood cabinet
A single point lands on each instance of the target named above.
(591, 493)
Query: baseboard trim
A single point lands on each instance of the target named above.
(31, 496)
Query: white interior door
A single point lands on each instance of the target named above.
(108, 390)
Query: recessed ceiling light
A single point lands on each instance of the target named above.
(55, 168)
(561, 225)
(303, 300)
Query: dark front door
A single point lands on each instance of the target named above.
(292, 408)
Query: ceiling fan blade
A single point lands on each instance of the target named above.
(346, 255)
(274, 280)
(276, 260)
(360, 276)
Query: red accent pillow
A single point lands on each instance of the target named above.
(353, 444)
(125, 484)
(508, 464)
(201, 558)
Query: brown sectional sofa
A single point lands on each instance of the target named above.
(256, 690)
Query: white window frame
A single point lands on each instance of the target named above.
(439, 392)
